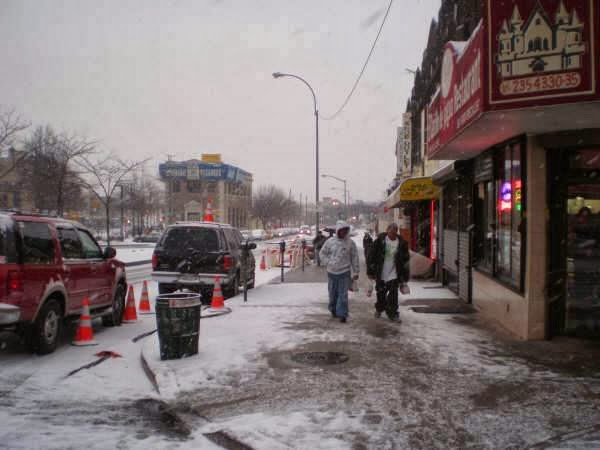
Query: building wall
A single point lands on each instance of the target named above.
(229, 205)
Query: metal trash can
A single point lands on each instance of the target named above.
(178, 324)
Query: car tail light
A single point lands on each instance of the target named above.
(14, 281)
(227, 262)
(154, 261)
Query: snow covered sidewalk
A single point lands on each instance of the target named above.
(433, 381)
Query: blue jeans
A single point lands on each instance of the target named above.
(338, 293)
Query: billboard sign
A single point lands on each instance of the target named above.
(195, 170)
(541, 51)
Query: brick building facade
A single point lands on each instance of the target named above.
(190, 184)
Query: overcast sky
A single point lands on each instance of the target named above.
(186, 77)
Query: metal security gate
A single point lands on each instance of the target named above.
(457, 236)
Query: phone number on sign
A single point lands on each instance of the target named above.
(541, 83)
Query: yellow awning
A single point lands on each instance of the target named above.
(412, 190)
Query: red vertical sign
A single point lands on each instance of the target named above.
(460, 98)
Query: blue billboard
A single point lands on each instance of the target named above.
(196, 170)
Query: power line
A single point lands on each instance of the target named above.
(364, 67)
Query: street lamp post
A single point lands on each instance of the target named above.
(345, 188)
(316, 112)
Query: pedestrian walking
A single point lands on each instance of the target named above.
(367, 244)
(318, 242)
(388, 265)
(340, 256)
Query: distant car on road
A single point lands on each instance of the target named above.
(149, 238)
(191, 254)
(305, 229)
(47, 267)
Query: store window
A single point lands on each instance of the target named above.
(499, 217)
(485, 225)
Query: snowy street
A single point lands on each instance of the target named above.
(433, 381)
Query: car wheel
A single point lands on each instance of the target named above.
(234, 288)
(252, 283)
(45, 332)
(118, 308)
(166, 288)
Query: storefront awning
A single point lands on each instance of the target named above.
(449, 172)
(413, 190)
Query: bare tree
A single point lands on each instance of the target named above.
(48, 167)
(105, 175)
(271, 202)
(11, 124)
(266, 204)
(69, 150)
(144, 201)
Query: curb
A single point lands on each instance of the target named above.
(138, 263)
(160, 375)
(148, 371)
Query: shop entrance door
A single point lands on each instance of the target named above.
(574, 278)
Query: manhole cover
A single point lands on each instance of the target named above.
(320, 358)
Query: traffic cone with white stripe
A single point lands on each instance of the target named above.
(263, 262)
(130, 315)
(218, 301)
(85, 333)
(145, 300)
(208, 212)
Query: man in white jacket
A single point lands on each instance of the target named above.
(340, 256)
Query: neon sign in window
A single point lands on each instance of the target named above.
(506, 197)
(508, 193)
(518, 199)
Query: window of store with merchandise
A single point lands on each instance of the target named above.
(499, 214)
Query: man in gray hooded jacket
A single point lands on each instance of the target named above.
(340, 256)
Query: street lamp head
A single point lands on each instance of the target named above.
(277, 74)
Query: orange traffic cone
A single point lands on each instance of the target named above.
(217, 299)
(130, 315)
(85, 333)
(145, 300)
(208, 213)
(263, 262)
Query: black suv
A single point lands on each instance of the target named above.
(190, 254)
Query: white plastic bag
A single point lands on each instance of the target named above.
(404, 289)
(370, 288)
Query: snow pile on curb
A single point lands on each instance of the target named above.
(233, 342)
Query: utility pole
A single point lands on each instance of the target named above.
(170, 191)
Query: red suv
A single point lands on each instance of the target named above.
(47, 267)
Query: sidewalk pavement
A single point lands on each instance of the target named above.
(433, 381)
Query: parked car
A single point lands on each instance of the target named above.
(258, 235)
(190, 255)
(47, 267)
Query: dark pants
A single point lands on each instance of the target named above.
(387, 297)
